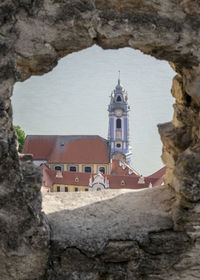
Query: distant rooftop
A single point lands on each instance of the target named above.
(67, 148)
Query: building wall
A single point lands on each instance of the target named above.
(71, 188)
(80, 167)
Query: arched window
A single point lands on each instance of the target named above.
(58, 168)
(118, 123)
(119, 98)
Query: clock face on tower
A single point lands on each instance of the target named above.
(118, 112)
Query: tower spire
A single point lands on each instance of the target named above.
(119, 77)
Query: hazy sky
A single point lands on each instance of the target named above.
(73, 99)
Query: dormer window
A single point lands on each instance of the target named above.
(58, 168)
(102, 170)
(119, 99)
(88, 169)
(72, 168)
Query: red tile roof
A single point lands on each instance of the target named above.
(39, 146)
(67, 148)
(82, 179)
(128, 182)
(68, 178)
(158, 174)
(115, 181)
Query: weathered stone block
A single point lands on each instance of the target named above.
(34, 35)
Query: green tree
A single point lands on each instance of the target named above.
(20, 137)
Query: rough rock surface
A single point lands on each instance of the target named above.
(118, 234)
(34, 35)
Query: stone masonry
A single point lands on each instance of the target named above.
(155, 239)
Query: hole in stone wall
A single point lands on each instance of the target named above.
(73, 99)
(188, 99)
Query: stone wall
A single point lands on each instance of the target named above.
(34, 35)
(113, 235)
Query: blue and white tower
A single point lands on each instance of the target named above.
(118, 132)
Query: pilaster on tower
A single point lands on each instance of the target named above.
(118, 132)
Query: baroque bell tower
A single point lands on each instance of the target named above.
(118, 131)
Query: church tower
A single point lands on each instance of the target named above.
(118, 131)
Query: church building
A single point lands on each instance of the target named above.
(90, 162)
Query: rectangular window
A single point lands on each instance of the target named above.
(58, 188)
(88, 169)
(66, 189)
(72, 168)
(76, 189)
(86, 190)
